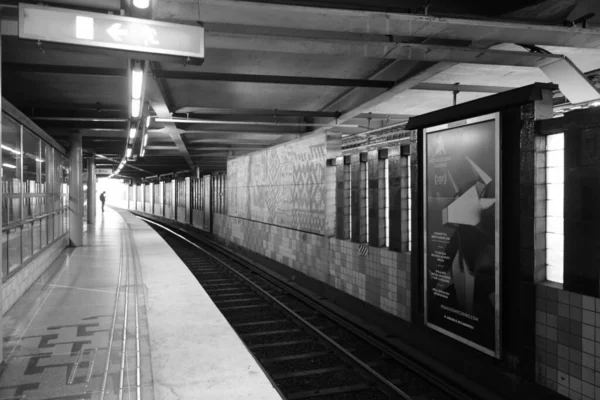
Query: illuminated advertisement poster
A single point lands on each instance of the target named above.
(462, 232)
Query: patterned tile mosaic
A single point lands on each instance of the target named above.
(381, 277)
(282, 185)
(568, 343)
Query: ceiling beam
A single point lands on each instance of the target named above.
(32, 68)
(273, 79)
(195, 131)
(380, 50)
(256, 111)
(156, 97)
(195, 75)
(445, 87)
(368, 22)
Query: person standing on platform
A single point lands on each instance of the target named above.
(103, 199)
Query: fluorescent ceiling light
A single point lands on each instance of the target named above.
(148, 121)
(9, 165)
(84, 27)
(145, 139)
(142, 153)
(596, 104)
(128, 153)
(39, 160)
(143, 4)
(136, 83)
(135, 108)
(5, 147)
(132, 133)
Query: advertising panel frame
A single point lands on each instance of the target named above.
(495, 117)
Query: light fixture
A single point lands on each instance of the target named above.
(5, 147)
(143, 4)
(84, 27)
(148, 121)
(7, 165)
(132, 133)
(137, 76)
(596, 104)
(142, 152)
(128, 153)
(39, 160)
(145, 139)
(135, 107)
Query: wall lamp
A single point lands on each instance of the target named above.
(137, 85)
(142, 4)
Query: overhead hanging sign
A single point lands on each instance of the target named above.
(104, 171)
(63, 25)
(462, 248)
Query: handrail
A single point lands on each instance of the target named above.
(30, 220)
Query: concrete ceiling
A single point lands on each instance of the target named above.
(301, 67)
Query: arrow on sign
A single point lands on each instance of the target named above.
(116, 32)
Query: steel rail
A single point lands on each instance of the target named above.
(361, 332)
(388, 385)
(357, 330)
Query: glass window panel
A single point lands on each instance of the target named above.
(554, 241)
(11, 170)
(555, 225)
(66, 219)
(31, 170)
(27, 241)
(56, 225)
(554, 273)
(555, 208)
(36, 236)
(50, 229)
(44, 232)
(555, 191)
(367, 200)
(5, 253)
(14, 249)
(555, 175)
(409, 206)
(555, 158)
(555, 142)
(386, 182)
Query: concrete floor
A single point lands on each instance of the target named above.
(113, 295)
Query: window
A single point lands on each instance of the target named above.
(555, 178)
(386, 183)
(367, 201)
(409, 208)
(11, 171)
(348, 178)
(31, 173)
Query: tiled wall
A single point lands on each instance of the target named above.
(19, 283)
(568, 343)
(282, 185)
(375, 275)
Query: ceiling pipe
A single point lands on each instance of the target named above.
(218, 122)
(80, 119)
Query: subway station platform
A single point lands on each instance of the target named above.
(122, 317)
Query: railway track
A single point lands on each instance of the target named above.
(307, 352)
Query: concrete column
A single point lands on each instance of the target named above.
(91, 193)
(76, 191)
